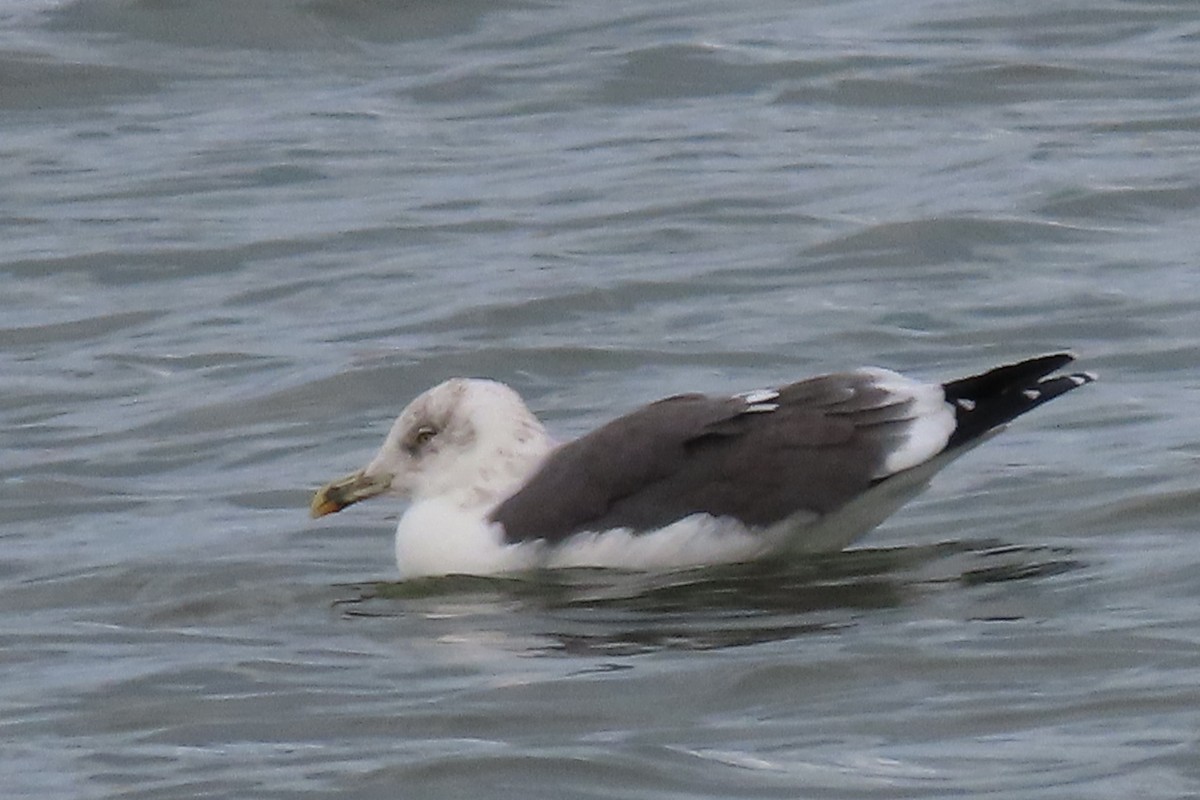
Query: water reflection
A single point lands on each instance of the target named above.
(605, 612)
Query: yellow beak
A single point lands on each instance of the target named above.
(336, 495)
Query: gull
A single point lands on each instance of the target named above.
(686, 481)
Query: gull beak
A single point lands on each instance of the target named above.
(336, 495)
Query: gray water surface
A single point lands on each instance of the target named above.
(235, 238)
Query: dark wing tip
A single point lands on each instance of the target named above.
(1005, 378)
(991, 399)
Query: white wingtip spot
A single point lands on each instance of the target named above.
(965, 403)
(760, 407)
(1082, 378)
(1031, 394)
(758, 397)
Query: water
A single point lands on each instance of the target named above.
(238, 237)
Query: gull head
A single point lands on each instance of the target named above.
(469, 441)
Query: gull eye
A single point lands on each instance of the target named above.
(423, 435)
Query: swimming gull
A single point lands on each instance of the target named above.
(688, 480)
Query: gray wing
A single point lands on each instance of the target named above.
(758, 458)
